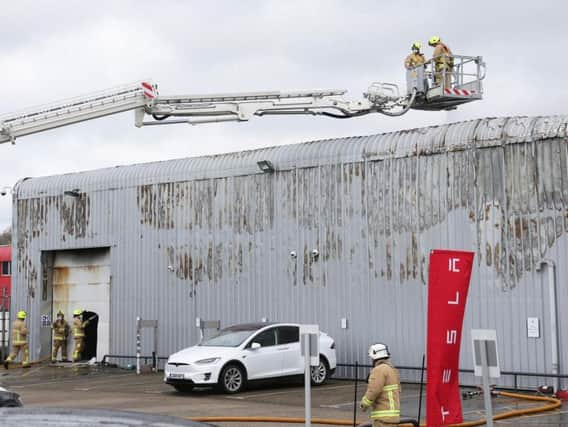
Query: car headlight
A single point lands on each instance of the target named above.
(208, 361)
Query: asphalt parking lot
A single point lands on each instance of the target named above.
(114, 388)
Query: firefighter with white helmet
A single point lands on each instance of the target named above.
(383, 390)
(19, 341)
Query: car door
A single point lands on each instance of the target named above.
(289, 345)
(266, 361)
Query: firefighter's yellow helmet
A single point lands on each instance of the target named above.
(21, 315)
(416, 46)
(60, 313)
(434, 40)
(77, 312)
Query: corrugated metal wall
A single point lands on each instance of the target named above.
(372, 206)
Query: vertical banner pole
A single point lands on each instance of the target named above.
(138, 346)
(155, 361)
(421, 387)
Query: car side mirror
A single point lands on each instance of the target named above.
(255, 346)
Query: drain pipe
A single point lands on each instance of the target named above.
(553, 318)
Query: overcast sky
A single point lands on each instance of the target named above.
(57, 49)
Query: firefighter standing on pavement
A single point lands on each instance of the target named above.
(60, 334)
(78, 334)
(443, 61)
(415, 58)
(383, 391)
(19, 341)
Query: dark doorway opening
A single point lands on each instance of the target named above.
(90, 349)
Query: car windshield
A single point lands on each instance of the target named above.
(229, 337)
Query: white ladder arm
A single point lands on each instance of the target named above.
(75, 110)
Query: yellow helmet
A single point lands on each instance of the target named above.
(77, 312)
(434, 40)
(21, 315)
(416, 46)
(60, 313)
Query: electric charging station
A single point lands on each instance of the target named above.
(486, 364)
(309, 339)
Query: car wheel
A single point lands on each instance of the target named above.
(184, 388)
(320, 373)
(232, 379)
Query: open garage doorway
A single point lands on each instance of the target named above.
(91, 335)
(81, 280)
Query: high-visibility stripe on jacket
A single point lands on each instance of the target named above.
(60, 330)
(79, 328)
(413, 60)
(443, 55)
(19, 332)
(383, 393)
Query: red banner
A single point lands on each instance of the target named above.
(448, 283)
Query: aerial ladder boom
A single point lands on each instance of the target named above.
(153, 109)
(70, 111)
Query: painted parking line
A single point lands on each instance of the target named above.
(253, 395)
(87, 377)
(338, 406)
(31, 371)
(123, 386)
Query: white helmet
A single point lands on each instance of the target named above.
(379, 351)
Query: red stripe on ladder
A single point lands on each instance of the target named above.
(148, 90)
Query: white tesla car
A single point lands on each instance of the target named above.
(247, 352)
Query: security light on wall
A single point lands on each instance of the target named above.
(266, 166)
(5, 190)
(72, 193)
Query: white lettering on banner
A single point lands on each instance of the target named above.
(444, 413)
(446, 375)
(452, 265)
(457, 301)
(451, 336)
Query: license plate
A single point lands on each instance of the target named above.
(174, 375)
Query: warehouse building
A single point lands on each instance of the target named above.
(333, 232)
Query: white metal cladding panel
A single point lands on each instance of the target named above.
(373, 221)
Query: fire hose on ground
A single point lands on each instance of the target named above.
(551, 404)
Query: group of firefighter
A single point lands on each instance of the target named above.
(61, 333)
(442, 58)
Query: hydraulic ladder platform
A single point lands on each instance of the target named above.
(427, 89)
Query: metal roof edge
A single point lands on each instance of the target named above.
(475, 133)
